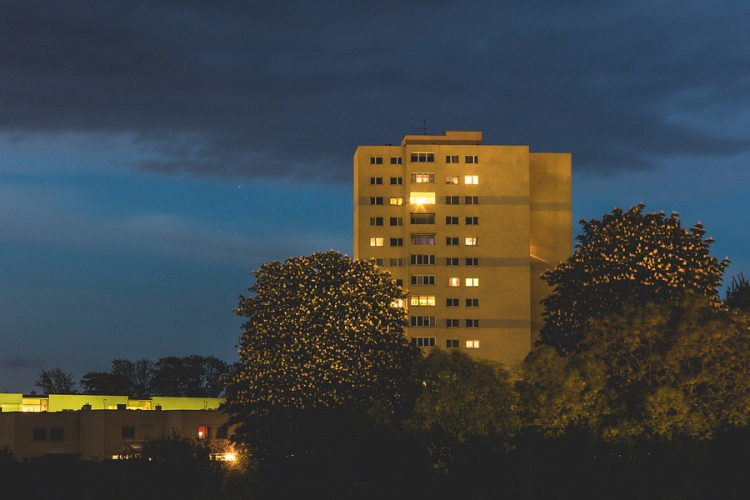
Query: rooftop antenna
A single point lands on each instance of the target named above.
(424, 125)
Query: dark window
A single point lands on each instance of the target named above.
(56, 434)
(451, 221)
(376, 221)
(397, 262)
(376, 200)
(451, 261)
(451, 323)
(397, 180)
(451, 344)
(423, 341)
(451, 200)
(397, 242)
(451, 159)
(423, 260)
(378, 262)
(422, 218)
(472, 323)
(422, 280)
(450, 241)
(128, 432)
(222, 432)
(471, 200)
(472, 302)
(397, 160)
(472, 159)
(423, 321)
(376, 180)
(376, 160)
(399, 282)
(397, 221)
(423, 157)
(472, 261)
(39, 434)
(451, 302)
(472, 221)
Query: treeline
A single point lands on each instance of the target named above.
(193, 375)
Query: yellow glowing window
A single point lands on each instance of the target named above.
(204, 432)
(472, 344)
(422, 177)
(376, 242)
(451, 179)
(422, 198)
(454, 281)
(472, 281)
(397, 201)
(471, 242)
(422, 300)
(397, 303)
(471, 179)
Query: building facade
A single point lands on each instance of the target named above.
(466, 229)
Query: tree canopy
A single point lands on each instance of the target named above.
(321, 334)
(738, 293)
(55, 381)
(626, 256)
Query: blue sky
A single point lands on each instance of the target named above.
(152, 154)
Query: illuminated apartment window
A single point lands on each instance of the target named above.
(454, 281)
(376, 181)
(376, 200)
(204, 432)
(397, 262)
(451, 159)
(472, 261)
(398, 303)
(397, 181)
(128, 432)
(397, 242)
(422, 280)
(423, 341)
(422, 300)
(422, 218)
(471, 200)
(451, 261)
(451, 323)
(376, 160)
(397, 201)
(472, 344)
(451, 343)
(423, 157)
(472, 302)
(376, 221)
(422, 239)
(39, 434)
(471, 241)
(472, 323)
(397, 160)
(376, 242)
(472, 221)
(472, 281)
(451, 220)
(471, 179)
(422, 260)
(422, 198)
(451, 200)
(451, 241)
(472, 159)
(451, 302)
(397, 221)
(57, 434)
(451, 179)
(419, 321)
(422, 177)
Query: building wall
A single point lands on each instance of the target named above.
(521, 205)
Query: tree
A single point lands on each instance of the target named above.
(55, 381)
(194, 375)
(322, 339)
(738, 293)
(138, 373)
(105, 383)
(627, 255)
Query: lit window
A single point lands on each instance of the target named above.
(376, 160)
(451, 323)
(397, 180)
(451, 159)
(451, 179)
(422, 198)
(376, 200)
(451, 221)
(451, 302)
(422, 280)
(451, 241)
(472, 281)
(454, 281)
(56, 434)
(376, 180)
(376, 242)
(423, 157)
(472, 323)
(472, 159)
(397, 221)
(397, 242)
(471, 200)
(471, 242)
(397, 262)
(472, 344)
(472, 302)
(422, 218)
(451, 200)
(423, 321)
(397, 303)
(397, 160)
(451, 343)
(471, 179)
(397, 201)
(423, 260)
(422, 239)
(451, 261)
(422, 177)
(422, 300)
(376, 221)
(423, 341)
(472, 261)
(39, 434)
(204, 432)
(472, 221)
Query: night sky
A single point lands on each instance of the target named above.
(154, 153)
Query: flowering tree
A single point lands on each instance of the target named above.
(322, 334)
(627, 255)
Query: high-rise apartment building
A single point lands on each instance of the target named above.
(466, 229)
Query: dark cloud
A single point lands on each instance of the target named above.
(21, 363)
(290, 88)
